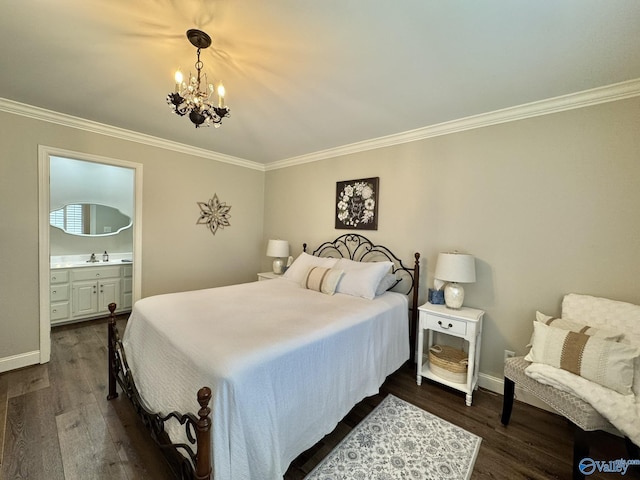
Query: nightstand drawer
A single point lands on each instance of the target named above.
(446, 325)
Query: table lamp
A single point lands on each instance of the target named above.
(455, 268)
(279, 250)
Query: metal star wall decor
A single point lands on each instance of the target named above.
(214, 214)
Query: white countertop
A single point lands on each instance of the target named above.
(76, 261)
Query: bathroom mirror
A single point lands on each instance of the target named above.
(89, 219)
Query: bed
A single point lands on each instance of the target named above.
(283, 360)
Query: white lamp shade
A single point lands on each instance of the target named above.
(456, 267)
(278, 248)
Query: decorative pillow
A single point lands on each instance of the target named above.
(322, 279)
(361, 279)
(602, 361)
(388, 281)
(301, 265)
(578, 327)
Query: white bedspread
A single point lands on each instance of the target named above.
(284, 364)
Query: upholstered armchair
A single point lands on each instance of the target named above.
(567, 370)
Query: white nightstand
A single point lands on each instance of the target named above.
(465, 323)
(267, 276)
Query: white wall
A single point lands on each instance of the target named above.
(76, 181)
(177, 254)
(548, 205)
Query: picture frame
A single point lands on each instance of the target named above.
(357, 204)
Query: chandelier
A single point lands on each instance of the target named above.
(192, 98)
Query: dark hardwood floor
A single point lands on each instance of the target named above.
(55, 423)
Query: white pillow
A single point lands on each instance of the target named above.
(577, 327)
(301, 265)
(361, 279)
(602, 361)
(320, 279)
(388, 281)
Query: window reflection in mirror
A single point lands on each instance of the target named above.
(89, 219)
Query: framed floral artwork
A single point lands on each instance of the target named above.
(357, 204)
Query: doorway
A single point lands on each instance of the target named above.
(49, 197)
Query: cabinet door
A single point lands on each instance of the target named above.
(85, 298)
(109, 293)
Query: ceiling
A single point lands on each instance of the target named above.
(303, 76)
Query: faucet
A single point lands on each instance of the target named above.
(92, 259)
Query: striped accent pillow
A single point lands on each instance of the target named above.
(322, 279)
(602, 361)
(578, 327)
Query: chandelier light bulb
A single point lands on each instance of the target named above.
(179, 77)
(220, 95)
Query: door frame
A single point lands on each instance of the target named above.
(44, 261)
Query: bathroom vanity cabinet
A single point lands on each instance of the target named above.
(79, 293)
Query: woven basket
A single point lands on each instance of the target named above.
(448, 363)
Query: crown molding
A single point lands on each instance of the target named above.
(586, 98)
(65, 120)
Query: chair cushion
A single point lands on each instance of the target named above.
(572, 407)
(602, 361)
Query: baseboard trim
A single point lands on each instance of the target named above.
(19, 361)
(496, 385)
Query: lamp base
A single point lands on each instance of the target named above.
(278, 266)
(453, 295)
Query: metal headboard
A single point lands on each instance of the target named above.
(361, 249)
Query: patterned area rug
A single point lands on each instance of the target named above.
(398, 440)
